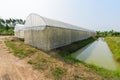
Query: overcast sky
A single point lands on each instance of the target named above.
(91, 14)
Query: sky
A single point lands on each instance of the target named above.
(91, 14)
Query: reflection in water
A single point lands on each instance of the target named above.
(97, 53)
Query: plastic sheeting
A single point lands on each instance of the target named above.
(37, 20)
(34, 28)
(19, 27)
(19, 31)
(54, 37)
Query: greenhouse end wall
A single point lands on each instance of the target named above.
(54, 37)
(19, 34)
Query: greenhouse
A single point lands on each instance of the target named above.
(19, 31)
(47, 34)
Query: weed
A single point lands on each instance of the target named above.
(57, 72)
(30, 62)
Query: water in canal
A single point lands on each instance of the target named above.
(97, 53)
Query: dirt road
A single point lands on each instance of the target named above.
(12, 68)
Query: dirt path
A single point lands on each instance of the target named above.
(12, 68)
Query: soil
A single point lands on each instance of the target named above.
(13, 68)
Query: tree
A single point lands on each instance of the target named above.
(7, 25)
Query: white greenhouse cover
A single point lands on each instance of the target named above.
(19, 27)
(39, 22)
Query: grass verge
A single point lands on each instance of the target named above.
(19, 48)
(66, 51)
(114, 44)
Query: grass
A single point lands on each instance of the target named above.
(19, 48)
(66, 51)
(58, 64)
(114, 44)
(104, 72)
(58, 72)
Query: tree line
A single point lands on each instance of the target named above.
(7, 25)
(108, 33)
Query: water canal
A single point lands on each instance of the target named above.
(97, 53)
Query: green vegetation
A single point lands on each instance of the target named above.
(19, 49)
(114, 75)
(6, 32)
(114, 44)
(58, 64)
(7, 25)
(108, 33)
(58, 72)
(66, 51)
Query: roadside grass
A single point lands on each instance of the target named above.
(58, 64)
(114, 44)
(19, 48)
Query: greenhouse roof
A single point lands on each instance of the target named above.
(35, 20)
